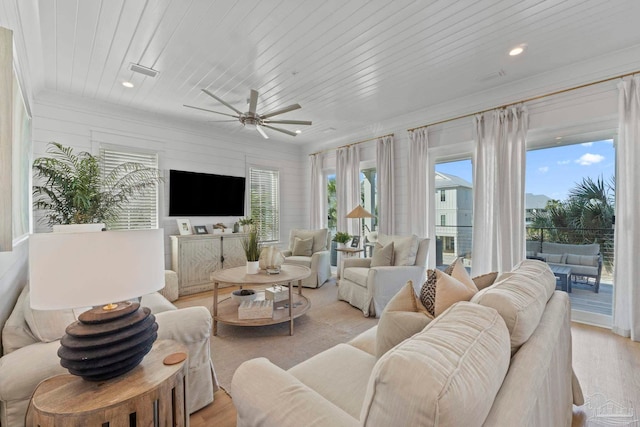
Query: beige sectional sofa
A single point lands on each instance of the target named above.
(503, 359)
(30, 341)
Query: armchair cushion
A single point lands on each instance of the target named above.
(357, 275)
(319, 238)
(403, 317)
(382, 255)
(405, 248)
(303, 247)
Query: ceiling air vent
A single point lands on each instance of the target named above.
(143, 70)
(491, 76)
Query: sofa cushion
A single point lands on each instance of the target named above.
(340, 375)
(588, 260)
(319, 238)
(520, 300)
(16, 333)
(555, 258)
(441, 291)
(485, 280)
(357, 275)
(448, 374)
(382, 255)
(303, 247)
(536, 270)
(405, 248)
(49, 325)
(401, 318)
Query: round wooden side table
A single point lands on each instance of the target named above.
(152, 394)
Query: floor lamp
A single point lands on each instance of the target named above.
(359, 212)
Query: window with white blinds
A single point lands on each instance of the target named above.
(264, 196)
(141, 211)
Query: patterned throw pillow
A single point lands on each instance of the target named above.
(441, 291)
(303, 247)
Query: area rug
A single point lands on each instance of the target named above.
(327, 323)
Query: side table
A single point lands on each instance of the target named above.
(152, 394)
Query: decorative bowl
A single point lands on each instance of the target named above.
(241, 295)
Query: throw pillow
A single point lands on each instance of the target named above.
(382, 255)
(303, 247)
(458, 272)
(441, 291)
(402, 317)
(485, 280)
(49, 325)
(553, 258)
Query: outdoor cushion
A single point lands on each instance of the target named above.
(565, 248)
(589, 260)
(555, 258)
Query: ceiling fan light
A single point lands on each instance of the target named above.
(127, 84)
(298, 131)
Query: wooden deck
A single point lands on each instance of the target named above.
(584, 299)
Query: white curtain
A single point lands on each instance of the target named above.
(385, 190)
(420, 192)
(498, 184)
(318, 205)
(347, 187)
(626, 307)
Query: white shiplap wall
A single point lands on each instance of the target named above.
(85, 125)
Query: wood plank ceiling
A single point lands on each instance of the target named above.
(350, 64)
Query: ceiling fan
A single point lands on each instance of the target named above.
(252, 118)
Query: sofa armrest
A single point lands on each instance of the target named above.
(286, 253)
(191, 326)
(267, 396)
(353, 262)
(22, 370)
(318, 257)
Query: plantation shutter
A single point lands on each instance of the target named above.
(264, 203)
(140, 212)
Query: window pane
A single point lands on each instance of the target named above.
(454, 207)
(332, 204)
(264, 203)
(140, 212)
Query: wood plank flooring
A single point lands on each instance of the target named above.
(607, 365)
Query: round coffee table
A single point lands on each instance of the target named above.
(227, 311)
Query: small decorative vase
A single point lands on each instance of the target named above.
(246, 228)
(253, 267)
(341, 245)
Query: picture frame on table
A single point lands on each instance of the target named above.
(200, 229)
(184, 226)
(355, 241)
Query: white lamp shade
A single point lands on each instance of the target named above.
(68, 270)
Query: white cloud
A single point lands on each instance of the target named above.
(589, 159)
(564, 162)
(587, 144)
(543, 169)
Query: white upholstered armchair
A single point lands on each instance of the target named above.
(370, 288)
(311, 249)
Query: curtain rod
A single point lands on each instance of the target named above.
(349, 145)
(533, 98)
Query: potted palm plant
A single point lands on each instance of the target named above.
(71, 188)
(251, 247)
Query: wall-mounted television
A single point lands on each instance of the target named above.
(204, 194)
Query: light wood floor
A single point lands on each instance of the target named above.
(603, 362)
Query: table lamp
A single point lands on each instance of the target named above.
(103, 270)
(359, 212)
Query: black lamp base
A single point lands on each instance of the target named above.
(107, 342)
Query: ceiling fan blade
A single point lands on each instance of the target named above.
(253, 101)
(210, 111)
(281, 111)
(221, 121)
(222, 101)
(288, 132)
(259, 129)
(290, 122)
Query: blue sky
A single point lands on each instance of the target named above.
(554, 171)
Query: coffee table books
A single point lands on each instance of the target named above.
(256, 309)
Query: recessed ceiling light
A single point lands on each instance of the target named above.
(298, 131)
(517, 50)
(127, 84)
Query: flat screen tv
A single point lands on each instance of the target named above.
(203, 194)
